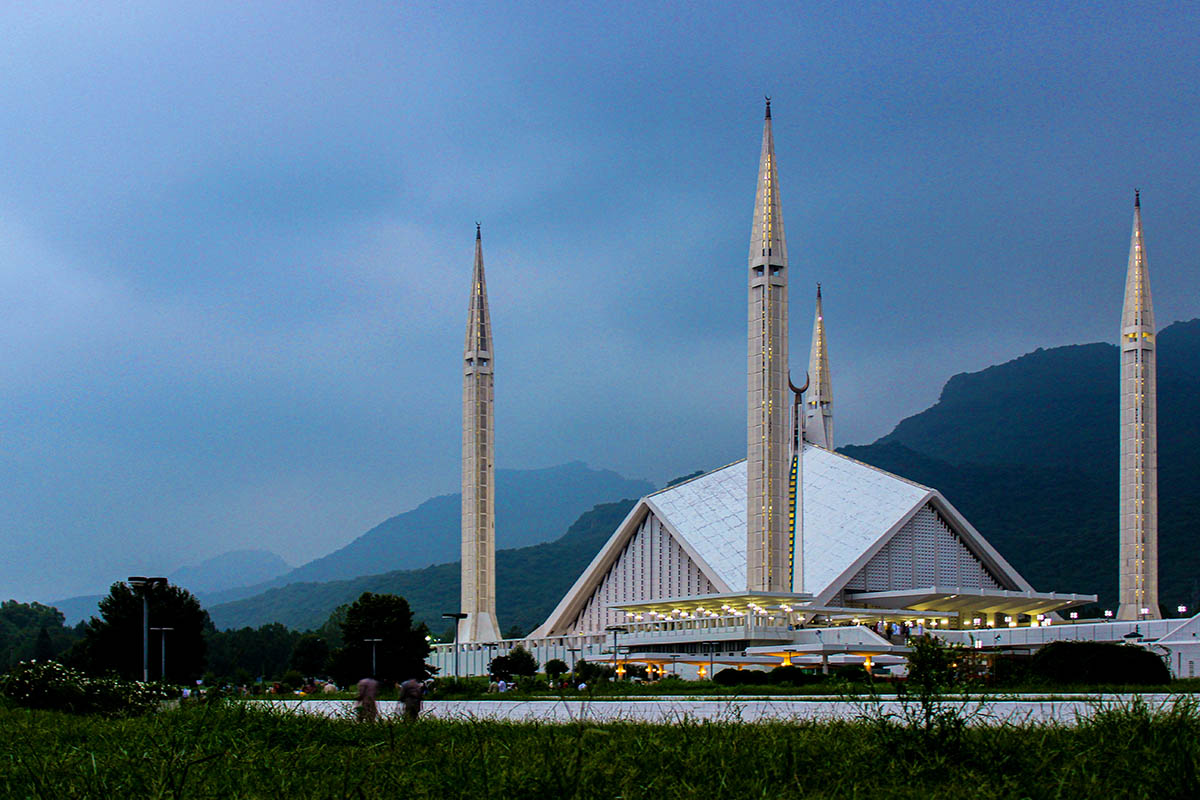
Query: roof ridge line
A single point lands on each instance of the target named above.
(880, 470)
(689, 480)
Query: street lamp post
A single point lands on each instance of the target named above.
(457, 616)
(574, 660)
(163, 633)
(616, 629)
(373, 643)
(145, 584)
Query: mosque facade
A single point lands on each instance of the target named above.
(799, 554)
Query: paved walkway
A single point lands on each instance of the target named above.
(1067, 709)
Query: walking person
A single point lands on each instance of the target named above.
(368, 690)
(411, 693)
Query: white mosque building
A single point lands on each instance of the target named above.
(798, 554)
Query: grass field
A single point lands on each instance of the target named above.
(235, 751)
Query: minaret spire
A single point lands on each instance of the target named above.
(769, 440)
(818, 408)
(478, 468)
(1138, 571)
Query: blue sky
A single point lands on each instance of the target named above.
(236, 239)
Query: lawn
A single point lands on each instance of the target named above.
(235, 750)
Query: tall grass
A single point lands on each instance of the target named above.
(238, 751)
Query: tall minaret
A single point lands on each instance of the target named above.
(768, 447)
(1138, 585)
(818, 408)
(478, 469)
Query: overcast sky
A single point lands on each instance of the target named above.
(236, 239)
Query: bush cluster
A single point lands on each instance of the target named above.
(1098, 663)
(50, 685)
(780, 676)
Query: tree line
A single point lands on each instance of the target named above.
(374, 635)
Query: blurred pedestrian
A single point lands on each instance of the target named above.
(411, 693)
(368, 690)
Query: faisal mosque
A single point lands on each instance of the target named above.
(797, 554)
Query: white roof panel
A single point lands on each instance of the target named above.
(710, 513)
(848, 506)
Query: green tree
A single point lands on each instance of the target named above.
(556, 667)
(264, 652)
(43, 648)
(522, 662)
(21, 626)
(113, 642)
(400, 652)
(500, 669)
(310, 655)
(331, 629)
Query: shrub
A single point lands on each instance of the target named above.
(592, 672)
(791, 674)
(50, 685)
(744, 677)
(556, 667)
(292, 679)
(854, 673)
(1098, 663)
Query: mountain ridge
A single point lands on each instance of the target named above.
(1028, 450)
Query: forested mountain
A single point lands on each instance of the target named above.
(530, 581)
(1028, 451)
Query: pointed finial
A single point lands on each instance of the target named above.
(1137, 198)
(477, 236)
(768, 107)
(818, 290)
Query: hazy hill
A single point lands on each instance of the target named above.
(77, 609)
(225, 573)
(230, 570)
(532, 506)
(530, 581)
(1028, 450)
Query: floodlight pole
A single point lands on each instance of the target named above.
(616, 629)
(163, 632)
(145, 584)
(373, 643)
(457, 616)
(574, 659)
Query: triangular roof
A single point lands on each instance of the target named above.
(851, 510)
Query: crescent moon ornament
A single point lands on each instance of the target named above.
(803, 388)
